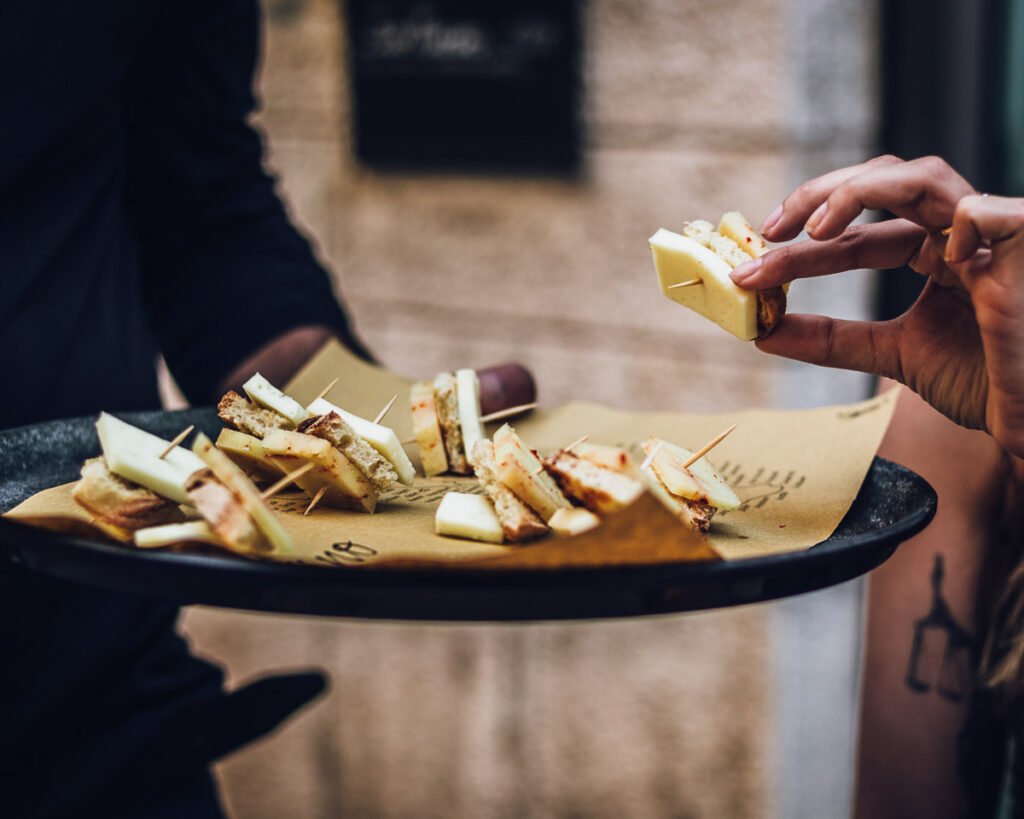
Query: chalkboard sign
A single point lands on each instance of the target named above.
(451, 84)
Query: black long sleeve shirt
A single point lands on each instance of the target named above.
(135, 218)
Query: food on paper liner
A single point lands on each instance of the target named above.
(575, 521)
(267, 395)
(468, 516)
(380, 437)
(134, 454)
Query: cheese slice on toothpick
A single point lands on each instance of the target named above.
(347, 487)
(427, 429)
(680, 259)
(468, 516)
(248, 453)
(267, 395)
(192, 531)
(699, 481)
(467, 387)
(134, 454)
(521, 471)
(232, 476)
(381, 438)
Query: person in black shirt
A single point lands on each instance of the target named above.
(136, 219)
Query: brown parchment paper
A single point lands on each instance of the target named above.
(796, 472)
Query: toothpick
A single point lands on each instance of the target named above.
(181, 436)
(689, 283)
(704, 450)
(651, 455)
(576, 443)
(326, 389)
(316, 499)
(507, 413)
(287, 479)
(387, 408)
(407, 441)
(946, 231)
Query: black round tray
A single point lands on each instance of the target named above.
(893, 505)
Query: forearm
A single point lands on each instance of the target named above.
(279, 359)
(922, 640)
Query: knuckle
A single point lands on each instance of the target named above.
(933, 165)
(886, 159)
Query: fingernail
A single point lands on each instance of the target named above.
(745, 271)
(816, 217)
(772, 219)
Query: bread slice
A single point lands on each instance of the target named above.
(239, 412)
(425, 425)
(120, 502)
(600, 490)
(446, 402)
(223, 510)
(518, 521)
(614, 458)
(333, 429)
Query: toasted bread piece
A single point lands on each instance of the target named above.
(333, 429)
(696, 514)
(120, 502)
(609, 457)
(446, 402)
(427, 429)
(600, 490)
(239, 412)
(771, 307)
(247, 451)
(519, 468)
(518, 521)
(228, 518)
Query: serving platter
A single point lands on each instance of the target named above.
(893, 504)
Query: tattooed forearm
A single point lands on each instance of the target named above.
(943, 653)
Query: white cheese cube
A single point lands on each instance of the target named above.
(267, 395)
(468, 516)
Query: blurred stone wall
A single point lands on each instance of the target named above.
(691, 109)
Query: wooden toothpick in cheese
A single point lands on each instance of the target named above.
(381, 438)
(467, 387)
(679, 259)
(468, 516)
(134, 454)
(267, 395)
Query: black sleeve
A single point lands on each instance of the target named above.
(224, 270)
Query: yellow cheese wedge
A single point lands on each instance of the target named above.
(520, 470)
(680, 259)
(381, 438)
(347, 487)
(468, 516)
(194, 531)
(232, 476)
(427, 429)
(573, 521)
(248, 453)
(267, 395)
(467, 387)
(698, 481)
(134, 454)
